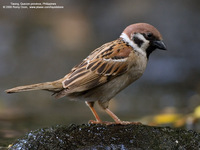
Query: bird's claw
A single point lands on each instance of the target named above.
(110, 123)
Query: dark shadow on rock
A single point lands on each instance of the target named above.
(88, 136)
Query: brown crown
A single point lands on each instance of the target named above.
(142, 28)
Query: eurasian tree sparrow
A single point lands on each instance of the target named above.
(107, 70)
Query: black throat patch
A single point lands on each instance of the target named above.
(149, 50)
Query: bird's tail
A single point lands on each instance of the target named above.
(49, 86)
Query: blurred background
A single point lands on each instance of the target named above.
(38, 45)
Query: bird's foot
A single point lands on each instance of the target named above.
(127, 123)
(110, 123)
(101, 122)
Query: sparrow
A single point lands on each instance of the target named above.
(107, 70)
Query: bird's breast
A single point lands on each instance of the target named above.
(137, 69)
(117, 84)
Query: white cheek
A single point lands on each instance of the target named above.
(133, 45)
(145, 45)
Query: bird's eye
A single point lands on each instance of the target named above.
(149, 35)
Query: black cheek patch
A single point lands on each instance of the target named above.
(138, 41)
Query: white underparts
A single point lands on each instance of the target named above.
(142, 49)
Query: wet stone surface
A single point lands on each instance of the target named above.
(89, 136)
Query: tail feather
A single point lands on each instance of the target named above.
(50, 86)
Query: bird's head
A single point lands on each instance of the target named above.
(143, 37)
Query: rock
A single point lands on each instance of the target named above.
(90, 136)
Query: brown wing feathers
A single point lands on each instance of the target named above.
(108, 60)
(98, 68)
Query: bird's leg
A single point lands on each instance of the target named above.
(113, 116)
(117, 120)
(91, 106)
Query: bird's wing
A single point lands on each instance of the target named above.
(104, 63)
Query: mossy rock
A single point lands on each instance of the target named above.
(90, 136)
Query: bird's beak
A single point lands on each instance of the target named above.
(160, 45)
